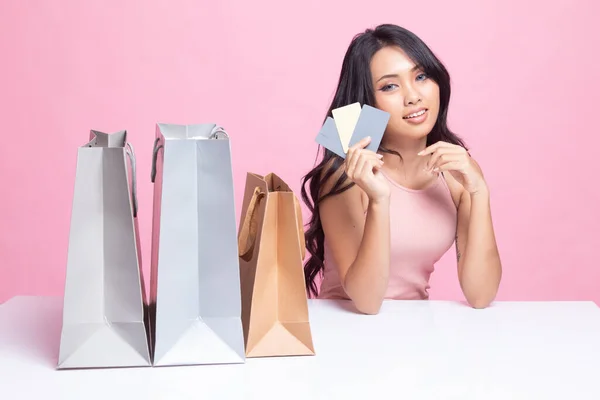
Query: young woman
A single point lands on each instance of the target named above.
(380, 221)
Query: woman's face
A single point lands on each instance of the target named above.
(403, 90)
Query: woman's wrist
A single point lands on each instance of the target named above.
(381, 201)
(481, 191)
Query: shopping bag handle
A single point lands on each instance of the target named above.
(249, 229)
(131, 155)
(218, 132)
(300, 223)
(154, 156)
(248, 232)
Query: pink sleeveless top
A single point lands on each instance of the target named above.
(423, 228)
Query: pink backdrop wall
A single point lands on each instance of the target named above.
(525, 96)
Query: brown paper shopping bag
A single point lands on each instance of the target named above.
(271, 245)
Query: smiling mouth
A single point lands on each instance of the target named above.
(415, 115)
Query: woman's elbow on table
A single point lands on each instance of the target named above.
(366, 300)
(368, 306)
(480, 302)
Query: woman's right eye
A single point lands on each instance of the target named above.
(388, 87)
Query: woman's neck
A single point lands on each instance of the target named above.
(411, 165)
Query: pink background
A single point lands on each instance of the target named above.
(525, 96)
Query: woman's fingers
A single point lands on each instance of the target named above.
(356, 158)
(439, 158)
(361, 144)
(449, 166)
(368, 167)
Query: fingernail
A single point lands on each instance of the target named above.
(380, 156)
(420, 153)
(436, 170)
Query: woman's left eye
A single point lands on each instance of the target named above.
(421, 77)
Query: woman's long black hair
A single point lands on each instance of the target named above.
(355, 85)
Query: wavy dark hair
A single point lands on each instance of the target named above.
(355, 85)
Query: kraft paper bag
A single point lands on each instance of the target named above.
(195, 301)
(103, 315)
(271, 244)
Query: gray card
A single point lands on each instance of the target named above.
(328, 137)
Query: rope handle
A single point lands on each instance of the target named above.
(131, 155)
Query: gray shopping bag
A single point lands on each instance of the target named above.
(103, 317)
(195, 300)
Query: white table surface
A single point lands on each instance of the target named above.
(410, 350)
